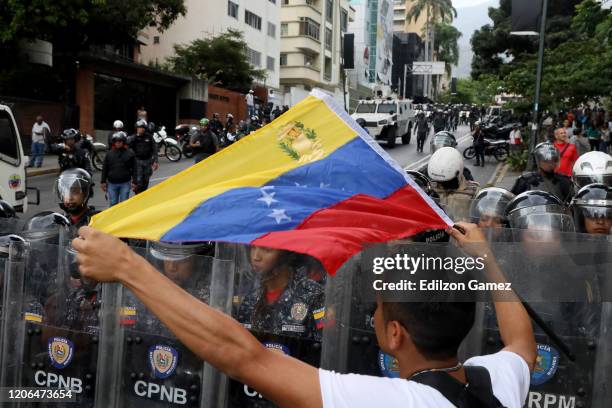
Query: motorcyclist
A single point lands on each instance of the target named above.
(215, 124)
(592, 209)
(592, 167)
(73, 188)
(203, 141)
(70, 154)
(144, 147)
(422, 130)
(117, 127)
(445, 168)
(545, 178)
(488, 208)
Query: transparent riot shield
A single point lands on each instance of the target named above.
(53, 335)
(10, 226)
(279, 297)
(146, 364)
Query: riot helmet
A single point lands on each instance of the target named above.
(592, 209)
(422, 180)
(446, 168)
(118, 137)
(488, 209)
(45, 227)
(538, 210)
(71, 134)
(361, 122)
(179, 262)
(141, 123)
(593, 167)
(72, 189)
(7, 210)
(443, 139)
(546, 157)
(117, 124)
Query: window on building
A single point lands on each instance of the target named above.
(232, 9)
(308, 60)
(343, 20)
(254, 57)
(270, 63)
(328, 39)
(272, 1)
(327, 74)
(285, 2)
(284, 29)
(272, 30)
(329, 10)
(309, 27)
(252, 19)
(156, 39)
(283, 59)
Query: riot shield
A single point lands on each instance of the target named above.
(147, 365)
(9, 226)
(279, 297)
(53, 336)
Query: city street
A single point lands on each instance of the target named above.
(406, 156)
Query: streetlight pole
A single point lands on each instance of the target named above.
(535, 126)
(405, 71)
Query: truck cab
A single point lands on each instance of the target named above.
(13, 163)
(387, 119)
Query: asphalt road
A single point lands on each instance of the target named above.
(405, 155)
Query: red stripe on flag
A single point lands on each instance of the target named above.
(334, 234)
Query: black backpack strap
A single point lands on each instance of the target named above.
(477, 393)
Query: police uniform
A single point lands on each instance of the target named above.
(84, 219)
(145, 150)
(293, 314)
(558, 184)
(456, 202)
(75, 158)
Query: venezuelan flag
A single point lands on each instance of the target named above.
(311, 182)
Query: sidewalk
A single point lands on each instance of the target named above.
(49, 166)
(503, 177)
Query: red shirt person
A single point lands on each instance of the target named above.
(567, 152)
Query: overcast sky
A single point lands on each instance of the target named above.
(467, 3)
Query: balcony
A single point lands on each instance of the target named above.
(300, 73)
(312, 4)
(301, 43)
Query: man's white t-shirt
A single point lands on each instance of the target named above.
(509, 377)
(249, 99)
(38, 131)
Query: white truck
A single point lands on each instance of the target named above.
(13, 182)
(387, 119)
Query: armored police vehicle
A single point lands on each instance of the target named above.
(387, 119)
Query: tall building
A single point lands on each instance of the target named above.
(407, 48)
(258, 20)
(400, 10)
(310, 55)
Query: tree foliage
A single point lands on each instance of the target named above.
(222, 60)
(447, 47)
(470, 91)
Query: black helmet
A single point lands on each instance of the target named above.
(169, 257)
(118, 137)
(443, 139)
(491, 203)
(594, 203)
(7, 210)
(71, 134)
(422, 180)
(45, 226)
(538, 210)
(546, 152)
(141, 123)
(361, 122)
(73, 189)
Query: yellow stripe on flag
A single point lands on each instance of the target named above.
(308, 132)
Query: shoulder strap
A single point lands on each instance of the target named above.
(477, 393)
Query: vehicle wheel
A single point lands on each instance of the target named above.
(500, 154)
(173, 153)
(97, 161)
(406, 138)
(187, 151)
(391, 135)
(469, 153)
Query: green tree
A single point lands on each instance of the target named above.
(435, 11)
(447, 47)
(222, 60)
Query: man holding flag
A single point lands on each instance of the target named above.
(324, 189)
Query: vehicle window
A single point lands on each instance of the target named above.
(9, 150)
(387, 108)
(366, 108)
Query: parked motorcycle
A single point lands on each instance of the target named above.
(497, 130)
(97, 151)
(496, 148)
(182, 135)
(166, 145)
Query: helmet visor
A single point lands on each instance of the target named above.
(593, 219)
(488, 209)
(72, 191)
(543, 223)
(584, 180)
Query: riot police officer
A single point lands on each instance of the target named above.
(538, 210)
(70, 154)
(285, 301)
(73, 189)
(45, 227)
(592, 167)
(592, 209)
(545, 178)
(445, 168)
(144, 147)
(422, 130)
(488, 209)
(362, 122)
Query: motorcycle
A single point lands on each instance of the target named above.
(496, 148)
(182, 134)
(97, 151)
(167, 146)
(497, 130)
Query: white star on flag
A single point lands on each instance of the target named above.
(267, 198)
(323, 185)
(279, 215)
(300, 185)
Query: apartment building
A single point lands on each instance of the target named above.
(311, 44)
(259, 21)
